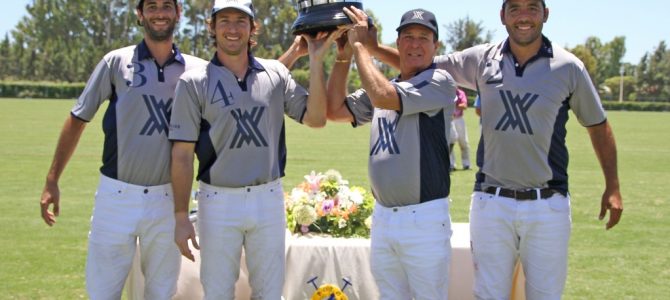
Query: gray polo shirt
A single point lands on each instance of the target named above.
(237, 125)
(409, 151)
(524, 112)
(135, 124)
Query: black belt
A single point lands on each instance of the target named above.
(521, 195)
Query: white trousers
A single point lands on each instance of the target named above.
(411, 250)
(461, 137)
(122, 215)
(536, 231)
(232, 218)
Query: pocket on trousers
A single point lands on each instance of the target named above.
(559, 203)
(478, 201)
(435, 220)
(108, 193)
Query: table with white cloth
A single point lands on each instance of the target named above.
(330, 261)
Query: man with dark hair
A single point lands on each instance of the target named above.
(133, 202)
(230, 113)
(521, 205)
(410, 118)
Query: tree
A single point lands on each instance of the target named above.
(5, 58)
(274, 35)
(465, 33)
(62, 40)
(194, 37)
(590, 62)
(614, 84)
(654, 74)
(608, 57)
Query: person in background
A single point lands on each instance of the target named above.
(458, 125)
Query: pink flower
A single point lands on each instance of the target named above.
(314, 181)
(327, 206)
(304, 229)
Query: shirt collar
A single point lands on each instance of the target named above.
(253, 63)
(431, 66)
(144, 53)
(546, 50)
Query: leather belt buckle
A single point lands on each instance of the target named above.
(521, 195)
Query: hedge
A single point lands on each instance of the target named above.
(636, 106)
(52, 90)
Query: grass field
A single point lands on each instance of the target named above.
(629, 262)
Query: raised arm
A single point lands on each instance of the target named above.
(318, 46)
(383, 53)
(297, 50)
(337, 83)
(67, 143)
(381, 92)
(604, 145)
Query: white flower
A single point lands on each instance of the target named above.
(368, 222)
(304, 215)
(342, 223)
(356, 195)
(333, 175)
(315, 198)
(297, 196)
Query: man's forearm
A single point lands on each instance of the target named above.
(337, 88)
(316, 103)
(181, 172)
(382, 93)
(604, 146)
(387, 55)
(67, 143)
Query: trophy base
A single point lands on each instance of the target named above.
(325, 17)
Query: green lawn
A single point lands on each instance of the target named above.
(629, 262)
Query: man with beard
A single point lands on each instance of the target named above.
(520, 207)
(230, 114)
(133, 202)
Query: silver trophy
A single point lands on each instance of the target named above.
(322, 15)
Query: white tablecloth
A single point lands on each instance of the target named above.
(331, 260)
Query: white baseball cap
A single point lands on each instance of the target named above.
(243, 5)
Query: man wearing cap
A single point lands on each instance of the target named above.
(133, 203)
(230, 114)
(410, 119)
(520, 208)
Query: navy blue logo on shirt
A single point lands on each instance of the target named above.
(386, 140)
(516, 112)
(221, 96)
(159, 115)
(247, 128)
(137, 73)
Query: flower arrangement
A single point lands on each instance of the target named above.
(324, 203)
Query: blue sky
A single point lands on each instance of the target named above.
(644, 23)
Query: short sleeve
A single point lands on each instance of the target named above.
(186, 113)
(295, 104)
(97, 90)
(360, 106)
(430, 90)
(585, 102)
(464, 65)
